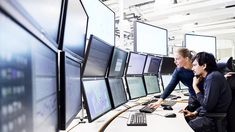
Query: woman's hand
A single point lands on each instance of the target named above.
(156, 104)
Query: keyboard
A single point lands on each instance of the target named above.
(147, 109)
(150, 101)
(168, 103)
(137, 119)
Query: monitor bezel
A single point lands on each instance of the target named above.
(128, 61)
(90, 119)
(109, 70)
(63, 124)
(111, 95)
(153, 73)
(20, 19)
(128, 88)
(147, 24)
(62, 27)
(158, 85)
(87, 55)
(189, 34)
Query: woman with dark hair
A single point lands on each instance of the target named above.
(183, 73)
(216, 97)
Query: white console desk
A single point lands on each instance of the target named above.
(116, 120)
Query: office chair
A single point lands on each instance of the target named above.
(225, 121)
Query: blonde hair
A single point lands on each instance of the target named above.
(184, 52)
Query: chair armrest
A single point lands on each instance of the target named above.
(216, 115)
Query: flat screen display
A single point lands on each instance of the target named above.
(75, 28)
(28, 97)
(101, 20)
(46, 13)
(151, 84)
(135, 64)
(166, 80)
(135, 87)
(199, 43)
(117, 90)
(168, 65)
(118, 63)
(96, 98)
(70, 89)
(97, 57)
(150, 39)
(152, 64)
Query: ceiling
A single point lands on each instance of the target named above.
(204, 17)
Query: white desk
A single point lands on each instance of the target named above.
(119, 124)
(154, 121)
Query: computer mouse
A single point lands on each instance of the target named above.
(167, 107)
(171, 115)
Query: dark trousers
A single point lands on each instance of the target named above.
(202, 124)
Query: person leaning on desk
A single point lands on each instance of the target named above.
(183, 72)
(216, 97)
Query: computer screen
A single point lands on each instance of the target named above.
(70, 89)
(135, 87)
(168, 65)
(117, 90)
(166, 80)
(97, 58)
(118, 63)
(44, 13)
(199, 43)
(28, 97)
(151, 84)
(150, 39)
(101, 20)
(135, 63)
(152, 64)
(75, 28)
(96, 99)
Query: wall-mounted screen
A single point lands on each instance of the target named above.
(118, 63)
(152, 64)
(135, 63)
(28, 97)
(101, 20)
(44, 13)
(199, 43)
(151, 84)
(75, 27)
(150, 39)
(98, 57)
(168, 65)
(135, 87)
(70, 89)
(96, 98)
(117, 90)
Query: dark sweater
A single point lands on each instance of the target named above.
(183, 75)
(217, 94)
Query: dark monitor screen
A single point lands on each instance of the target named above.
(117, 90)
(135, 87)
(151, 84)
(135, 63)
(96, 99)
(70, 89)
(97, 57)
(75, 28)
(118, 63)
(168, 65)
(28, 98)
(101, 20)
(152, 64)
(46, 13)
